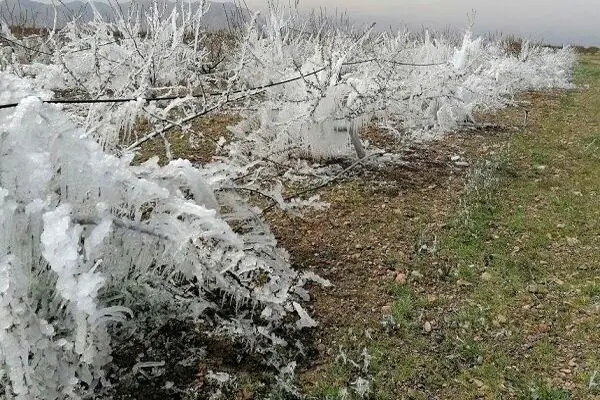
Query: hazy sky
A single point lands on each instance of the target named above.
(556, 21)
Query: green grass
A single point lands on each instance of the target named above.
(535, 228)
(541, 391)
(405, 303)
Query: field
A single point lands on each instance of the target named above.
(476, 280)
(487, 274)
(295, 210)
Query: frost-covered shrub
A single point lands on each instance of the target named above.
(5, 57)
(312, 116)
(160, 51)
(339, 79)
(428, 85)
(87, 241)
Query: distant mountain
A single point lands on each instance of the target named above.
(29, 13)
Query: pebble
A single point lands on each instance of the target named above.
(400, 278)
(543, 328)
(565, 370)
(416, 274)
(427, 327)
(478, 383)
(321, 348)
(431, 298)
(572, 363)
(571, 241)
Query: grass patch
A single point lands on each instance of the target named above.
(404, 307)
(198, 144)
(541, 391)
(527, 237)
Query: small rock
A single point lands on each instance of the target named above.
(427, 327)
(542, 290)
(565, 370)
(543, 328)
(486, 276)
(571, 241)
(572, 363)
(478, 383)
(387, 309)
(416, 275)
(462, 282)
(321, 348)
(461, 164)
(400, 278)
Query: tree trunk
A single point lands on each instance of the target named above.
(353, 130)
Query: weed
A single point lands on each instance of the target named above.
(404, 306)
(542, 391)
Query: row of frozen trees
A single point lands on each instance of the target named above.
(91, 245)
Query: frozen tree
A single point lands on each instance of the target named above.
(88, 240)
